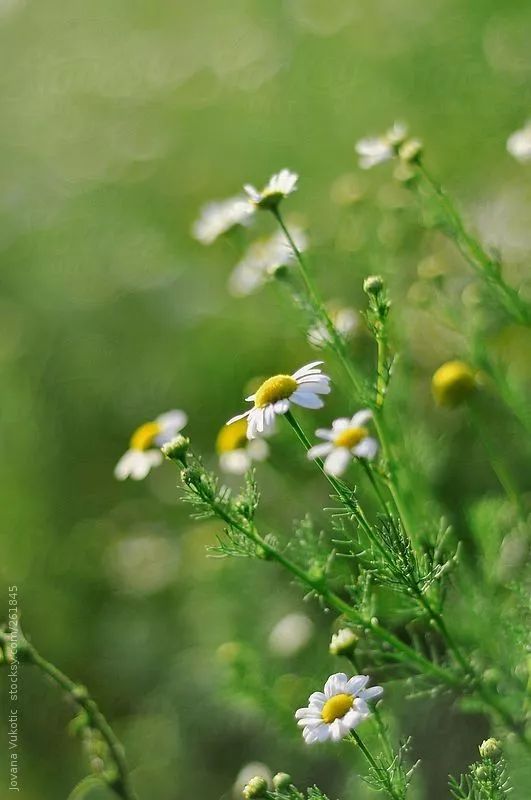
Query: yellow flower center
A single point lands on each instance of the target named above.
(143, 437)
(350, 437)
(279, 387)
(336, 707)
(232, 437)
(453, 382)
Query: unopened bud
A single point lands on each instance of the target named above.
(410, 151)
(373, 284)
(343, 642)
(257, 787)
(176, 448)
(490, 748)
(281, 781)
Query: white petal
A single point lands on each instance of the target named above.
(316, 387)
(235, 462)
(370, 694)
(306, 399)
(317, 698)
(281, 406)
(324, 433)
(136, 464)
(335, 684)
(258, 450)
(367, 448)
(352, 719)
(320, 450)
(341, 424)
(306, 369)
(336, 731)
(238, 416)
(338, 460)
(357, 683)
(360, 418)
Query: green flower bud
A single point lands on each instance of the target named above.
(490, 748)
(410, 151)
(257, 787)
(281, 781)
(176, 448)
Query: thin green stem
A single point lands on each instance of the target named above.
(382, 730)
(120, 783)
(370, 760)
(487, 267)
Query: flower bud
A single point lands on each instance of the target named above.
(410, 151)
(453, 383)
(176, 448)
(490, 748)
(281, 781)
(343, 642)
(257, 787)
(373, 284)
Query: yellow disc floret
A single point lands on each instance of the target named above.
(279, 387)
(336, 707)
(453, 382)
(144, 436)
(351, 437)
(232, 437)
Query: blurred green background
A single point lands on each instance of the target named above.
(119, 120)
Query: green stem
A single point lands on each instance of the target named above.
(382, 731)
(473, 252)
(121, 784)
(378, 770)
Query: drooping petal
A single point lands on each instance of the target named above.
(239, 416)
(371, 693)
(307, 368)
(320, 450)
(337, 462)
(306, 399)
(367, 448)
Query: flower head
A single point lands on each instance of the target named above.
(375, 150)
(277, 393)
(257, 787)
(262, 260)
(519, 144)
(343, 642)
(344, 320)
(490, 748)
(144, 447)
(347, 439)
(220, 216)
(453, 383)
(340, 708)
(279, 186)
(236, 452)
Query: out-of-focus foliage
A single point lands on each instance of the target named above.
(119, 120)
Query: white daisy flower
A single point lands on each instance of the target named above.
(220, 216)
(236, 452)
(334, 712)
(519, 144)
(345, 321)
(348, 439)
(377, 149)
(276, 395)
(279, 186)
(144, 450)
(263, 258)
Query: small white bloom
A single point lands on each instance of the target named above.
(377, 149)
(343, 642)
(334, 712)
(276, 395)
(263, 258)
(220, 216)
(279, 186)
(345, 321)
(144, 451)
(236, 452)
(348, 438)
(290, 634)
(519, 144)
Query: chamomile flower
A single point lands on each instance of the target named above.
(334, 712)
(276, 395)
(519, 144)
(344, 320)
(262, 260)
(219, 216)
(453, 383)
(144, 448)
(279, 186)
(347, 439)
(375, 150)
(236, 452)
